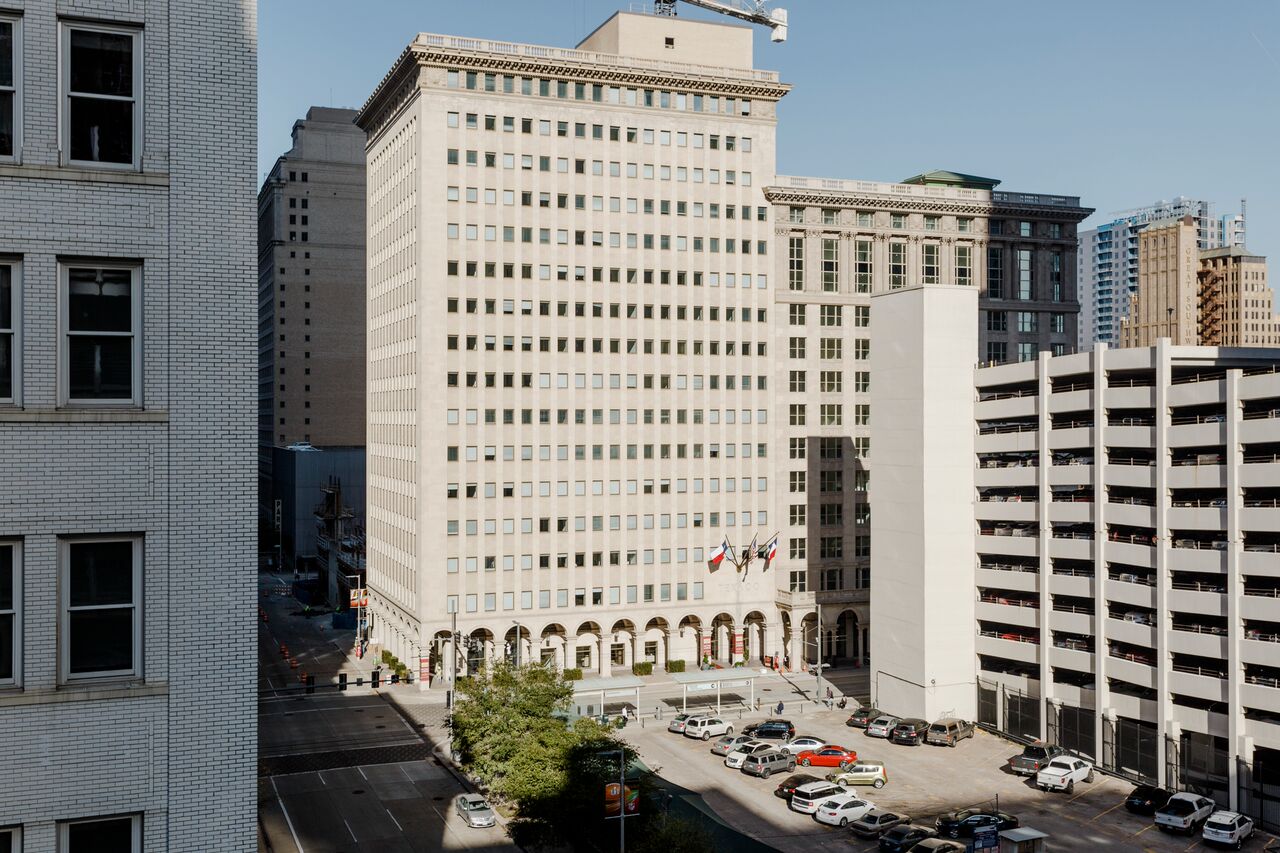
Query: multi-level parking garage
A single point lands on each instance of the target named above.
(1128, 561)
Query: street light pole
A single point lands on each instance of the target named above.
(519, 628)
(817, 673)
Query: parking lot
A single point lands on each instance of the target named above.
(924, 781)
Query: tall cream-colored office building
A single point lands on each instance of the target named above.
(604, 337)
(570, 297)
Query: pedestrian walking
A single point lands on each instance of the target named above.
(779, 708)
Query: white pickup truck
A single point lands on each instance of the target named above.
(1184, 813)
(1062, 774)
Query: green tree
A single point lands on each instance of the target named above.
(505, 728)
(672, 835)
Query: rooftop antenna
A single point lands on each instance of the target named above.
(752, 11)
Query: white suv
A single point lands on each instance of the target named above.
(1228, 828)
(707, 727)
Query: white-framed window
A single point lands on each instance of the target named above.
(10, 334)
(101, 86)
(10, 94)
(10, 839)
(101, 334)
(117, 834)
(10, 620)
(100, 631)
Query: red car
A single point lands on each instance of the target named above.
(827, 756)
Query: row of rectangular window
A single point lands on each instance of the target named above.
(632, 416)
(616, 133)
(598, 487)
(616, 346)
(828, 315)
(599, 93)
(649, 381)
(831, 349)
(647, 206)
(633, 595)
(1024, 321)
(638, 171)
(864, 265)
(829, 382)
(473, 526)
(99, 340)
(867, 219)
(474, 453)
(830, 514)
(618, 310)
(100, 93)
(998, 351)
(612, 240)
(633, 276)
(99, 611)
(1024, 275)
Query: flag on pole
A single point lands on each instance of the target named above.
(721, 551)
(752, 551)
(770, 549)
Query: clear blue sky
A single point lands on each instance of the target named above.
(1122, 102)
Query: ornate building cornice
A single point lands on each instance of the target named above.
(912, 204)
(387, 98)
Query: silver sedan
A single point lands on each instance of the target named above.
(797, 745)
(474, 810)
(729, 743)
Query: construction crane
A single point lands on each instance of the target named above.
(752, 11)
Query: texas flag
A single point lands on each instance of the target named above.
(718, 553)
(770, 549)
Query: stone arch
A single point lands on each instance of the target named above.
(755, 635)
(553, 641)
(723, 631)
(655, 641)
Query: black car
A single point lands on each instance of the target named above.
(1145, 799)
(859, 718)
(911, 731)
(961, 824)
(771, 730)
(788, 786)
(903, 837)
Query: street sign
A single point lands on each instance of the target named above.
(742, 683)
(424, 669)
(986, 837)
(707, 685)
(613, 694)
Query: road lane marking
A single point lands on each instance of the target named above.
(393, 819)
(362, 776)
(288, 820)
(320, 773)
(1107, 812)
(353, 835)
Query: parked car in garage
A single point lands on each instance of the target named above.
(861, 772)
(910, 731)
(882, 726)
(859, 718)
(830, 755)
(841, 809)
(905, 837)
(961, 824)
(949, 732)
(1145, 799)
(728, 744)
(707, 727)
(788, 786)
(876, 822)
